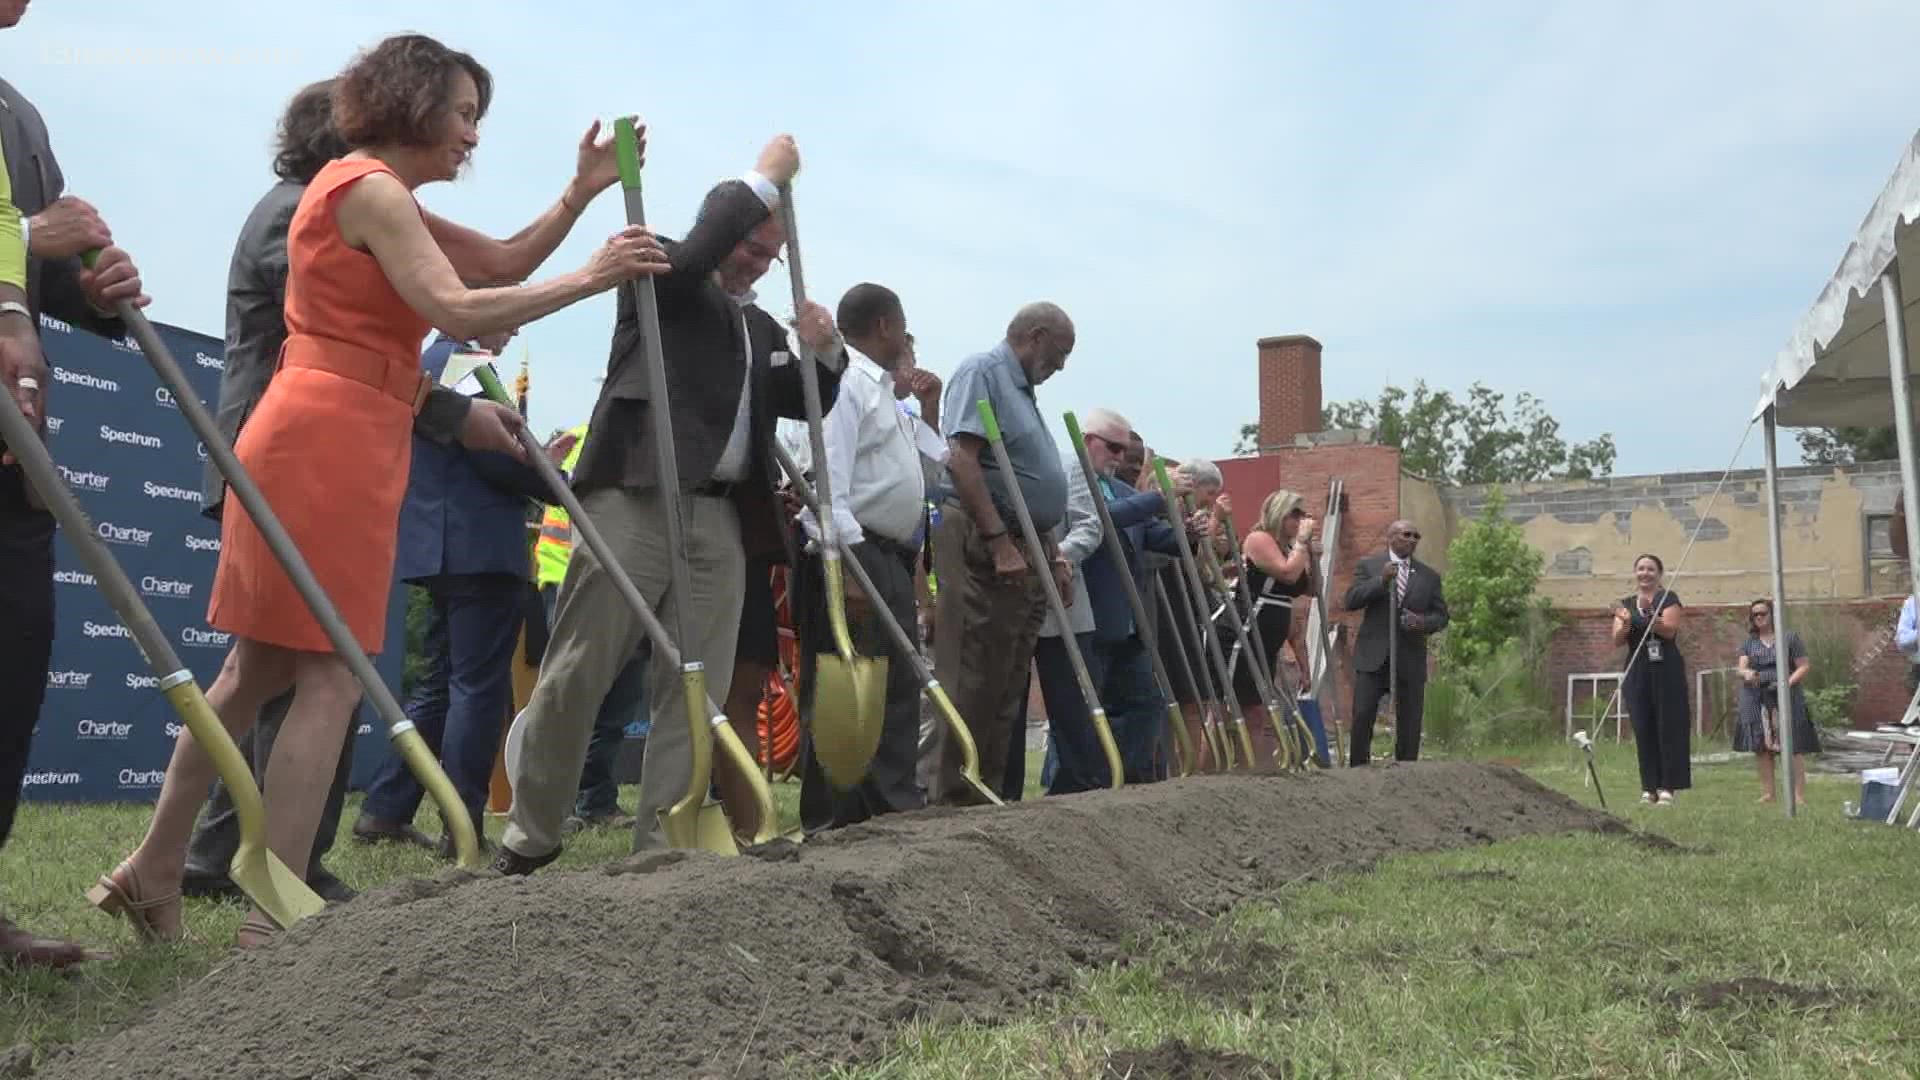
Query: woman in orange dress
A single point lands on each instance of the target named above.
(369, 275)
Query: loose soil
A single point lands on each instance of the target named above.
(1178, 1061)
(694, 965)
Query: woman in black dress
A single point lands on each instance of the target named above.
(1758, 731)
(1647, 623)
(1279, 557)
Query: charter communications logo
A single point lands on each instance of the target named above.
(130, 438)
(54, 423)
(123, 534)
(83, 378)
(103, 729)
(68, 680)
(194, 637)
(168, 587)
(142, 778)
(169, 491)
(164, 398)
(85, 480)
(50, 779)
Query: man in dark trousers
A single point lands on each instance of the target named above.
(731, 371)
(878, 457)
(57, 231)
(463, 538)
(256, 328)
(1393, 581)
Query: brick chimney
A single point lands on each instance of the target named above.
(1289, 389)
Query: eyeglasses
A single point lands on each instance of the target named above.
(1411, 535)
(1112, 447)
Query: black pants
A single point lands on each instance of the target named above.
(891, 784)
(1409, 705)
(26, 634)
(216, 837)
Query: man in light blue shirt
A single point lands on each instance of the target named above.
(991, 601)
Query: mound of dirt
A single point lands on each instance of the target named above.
(1178, 1061)
(688, 964)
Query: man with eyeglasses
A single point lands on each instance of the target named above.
(731, 371)
(1403, 604)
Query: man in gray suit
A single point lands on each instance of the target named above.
(58, 230)
(256, 328)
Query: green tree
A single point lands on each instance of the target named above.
(1248, 442)
(1491, 575)
(1847, 445)
(1473, 440)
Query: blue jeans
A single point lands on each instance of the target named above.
(462, 703)
(1080, 764)
(1123, 674)
(621, 711)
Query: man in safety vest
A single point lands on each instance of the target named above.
(625, 706)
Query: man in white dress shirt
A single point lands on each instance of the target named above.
(879, 456)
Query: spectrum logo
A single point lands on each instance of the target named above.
(75, 577)
(202, 543)
(103, 729)
(48, 322)
(85, 480)
(99, 630)
(137, 681)
(51, 779)
(168, 587)
(206, 361)
(68, 680)
(84, 378)
(130, 438)
(174, 729)
(204, 639)
(123, 534)
(169, 491)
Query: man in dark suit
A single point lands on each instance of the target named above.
(57, 231)
(1121, 669)
(1383, 585)
(730, 375)
(463, 537)
(256, 328)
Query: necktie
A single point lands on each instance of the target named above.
(1400, 584)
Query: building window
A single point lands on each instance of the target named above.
(1887, 574)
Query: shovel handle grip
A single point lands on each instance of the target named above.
(988, 421)
(626, 151)
(1073, 427)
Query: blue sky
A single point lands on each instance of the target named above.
(1621, 208)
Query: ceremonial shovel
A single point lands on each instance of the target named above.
(1580, 739)
(1038, 554)
(849, 692)
(406, 741)
(260, 874)
(969, 755)
(1175, 517)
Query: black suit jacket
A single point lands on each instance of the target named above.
(1370, 593)
(701, 331)
(53, 287)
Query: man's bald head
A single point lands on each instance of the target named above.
(1040, 335)
(1403, 537)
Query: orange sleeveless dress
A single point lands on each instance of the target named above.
(330, 442)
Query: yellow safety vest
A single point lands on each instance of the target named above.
(555, 545)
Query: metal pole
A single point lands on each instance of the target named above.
(1782, 656)
(1897, 365)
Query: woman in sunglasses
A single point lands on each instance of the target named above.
(1758, 730)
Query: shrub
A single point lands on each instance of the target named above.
(1491, 575)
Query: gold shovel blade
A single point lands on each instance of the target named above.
(849, 710)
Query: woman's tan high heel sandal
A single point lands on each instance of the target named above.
(120, 893)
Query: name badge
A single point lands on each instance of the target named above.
(779, 359)
(1653, 649)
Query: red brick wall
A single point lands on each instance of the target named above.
(1289, 389)
(1711, 638)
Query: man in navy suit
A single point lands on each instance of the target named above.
(463, 537)
(1120, 666)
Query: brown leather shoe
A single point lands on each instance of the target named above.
(20, 949)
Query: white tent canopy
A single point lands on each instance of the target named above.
(1834, 370)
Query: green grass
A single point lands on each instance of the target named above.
(1568, 956)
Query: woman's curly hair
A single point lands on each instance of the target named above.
(397, 92)
(307, 140)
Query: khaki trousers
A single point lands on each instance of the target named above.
(595, 633)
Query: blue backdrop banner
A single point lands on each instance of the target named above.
(128, 454)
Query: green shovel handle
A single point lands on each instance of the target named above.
(1073, 427)
(988, 421)
(626, 150)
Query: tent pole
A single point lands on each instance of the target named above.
(1897, 365)
(1783, 656)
